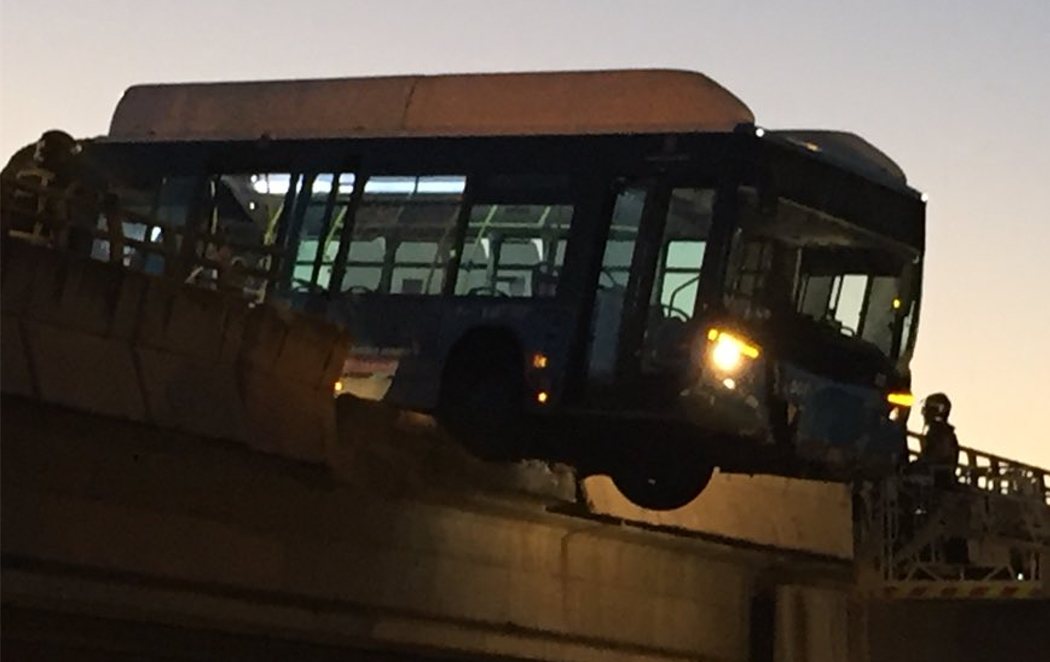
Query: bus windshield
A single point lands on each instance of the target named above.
(802, 263)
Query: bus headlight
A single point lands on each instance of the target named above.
(729, 353)
(902, 399)
(900, 404)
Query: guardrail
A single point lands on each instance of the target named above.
(198, 253)
(997, 475)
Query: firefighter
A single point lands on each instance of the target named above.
(939, 446)
(26, 177)
(41, 182)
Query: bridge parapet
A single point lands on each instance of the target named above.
(95, 336)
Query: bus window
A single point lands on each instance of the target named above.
(681, 274)
(318, 239)
(797, 261)
(861, 305)
(849, 301)
(678, 271)
(880, 315)
(245, 210)
(139, 200)
(165, 211)
(613, 279)
(514, 250)
(749, 278)
(814, 296)
(402, 235)
(684, 242)
(623, 233)
(171, 208)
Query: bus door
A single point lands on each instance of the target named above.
(377, 251)
(513, 265)
(618, 280)
(648, 290)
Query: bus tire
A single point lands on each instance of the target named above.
(481, 397)
(663, 485)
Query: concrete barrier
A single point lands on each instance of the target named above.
(15, 373)
(93, 336)
(288, 367)
(71, 322)
(84, 370)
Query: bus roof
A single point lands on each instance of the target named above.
(847, 150)
(504, 104)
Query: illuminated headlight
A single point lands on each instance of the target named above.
(900, 403)
(729, 353)
(901, 399)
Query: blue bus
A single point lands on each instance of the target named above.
(616, 269)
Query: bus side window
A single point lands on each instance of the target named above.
(613, 279)
(677, 282)
(684, 244)
(681, 274)
(173, 204)
(750, 262)
(515, 248)
(849, 302)
(364, 264)
(318, 239)
(197, 228)
(402, 234)
(149, 206)
(880, 313)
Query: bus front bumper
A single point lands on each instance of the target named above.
(833, 429)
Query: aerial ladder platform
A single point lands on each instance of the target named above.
(987, 535)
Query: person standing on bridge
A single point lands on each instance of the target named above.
(50, 193)
(939, 445)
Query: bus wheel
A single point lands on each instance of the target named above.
(480, 401)
(663, 485)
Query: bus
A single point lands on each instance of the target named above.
(617, 269)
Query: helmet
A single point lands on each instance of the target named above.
(936, 407)
(55, 145)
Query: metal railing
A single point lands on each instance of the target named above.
(997, 475)
(99, 227)
(987, 534)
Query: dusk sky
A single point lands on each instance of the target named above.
(957, 92)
